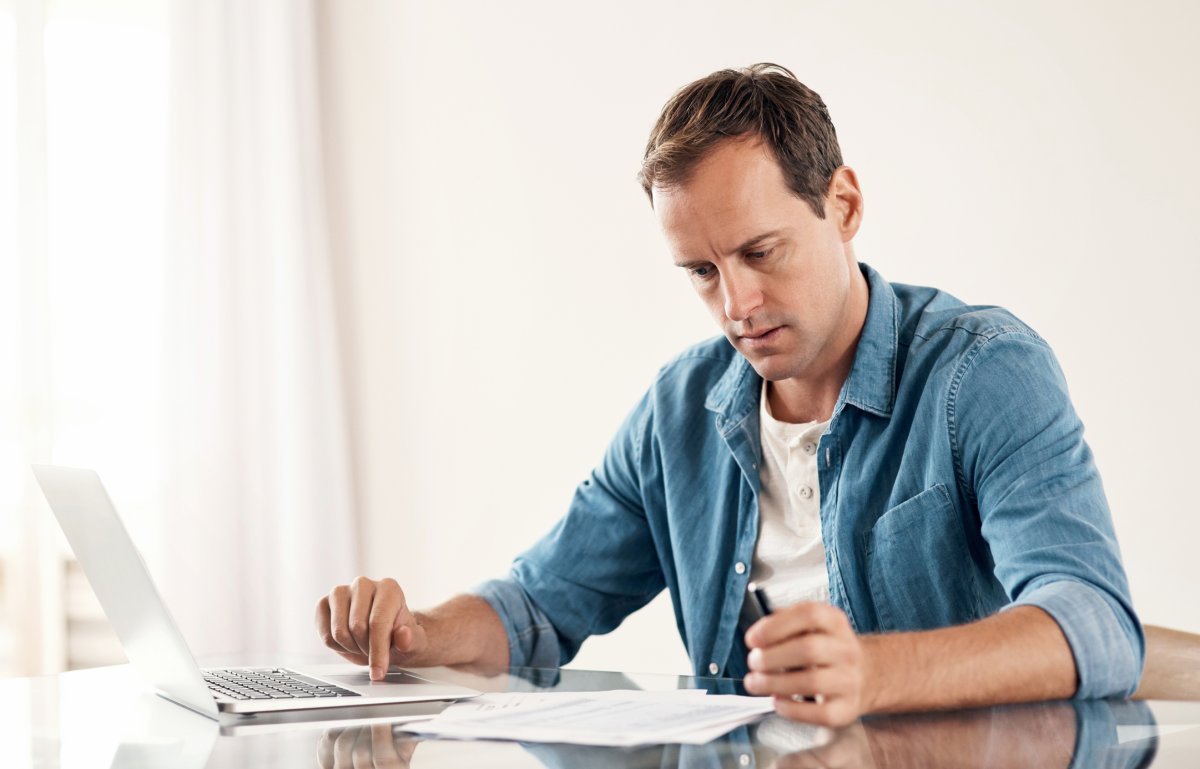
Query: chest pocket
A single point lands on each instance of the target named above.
(919, 568)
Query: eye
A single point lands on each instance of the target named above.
(758, 254)
(702, 271)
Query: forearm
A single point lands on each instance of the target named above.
(998, 738)
(1020, 655)
(1172, 665)
(463, 631)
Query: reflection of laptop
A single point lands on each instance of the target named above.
(155, 646)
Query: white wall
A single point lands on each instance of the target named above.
(512, 296)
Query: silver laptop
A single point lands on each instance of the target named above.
(155, 646)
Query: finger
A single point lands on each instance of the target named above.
(339, 619)
(343, 749)
(408, 637)
(325, 758)
(408, 634)
(846, 750)
(322, 620)
(362, 754)
(827, 682)
(832, 711)
(848, 747)
(383, 747)
(389, 602)
(362, 596)
(808, 650)
(324, 630)
(807, 617)
(405, 748)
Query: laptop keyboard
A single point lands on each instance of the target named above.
(269, 684)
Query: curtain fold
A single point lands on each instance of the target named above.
(257, 482)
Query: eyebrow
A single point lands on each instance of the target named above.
(754, 241)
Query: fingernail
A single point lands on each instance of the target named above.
(376, 674)
(754, 659)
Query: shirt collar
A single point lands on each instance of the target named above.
(871, 385)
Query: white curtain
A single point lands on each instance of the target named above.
(257, 483)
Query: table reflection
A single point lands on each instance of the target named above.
(375, 746)
(1058, 735)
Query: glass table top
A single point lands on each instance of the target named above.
(105, 718)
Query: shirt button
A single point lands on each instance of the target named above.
(805, 491)
(714, 668)
(744, 759)
(739, 567)
(810, 448)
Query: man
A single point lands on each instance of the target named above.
(904, 474)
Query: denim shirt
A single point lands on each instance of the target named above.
(954, 478)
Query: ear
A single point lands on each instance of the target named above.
(844, 202)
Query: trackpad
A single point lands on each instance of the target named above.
(363, 680)
(400, 685)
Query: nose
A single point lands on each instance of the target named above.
(742, 294)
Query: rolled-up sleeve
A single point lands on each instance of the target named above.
(1106, 659)
(532, 640)
(1022, 457)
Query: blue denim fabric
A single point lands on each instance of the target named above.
(955, 482)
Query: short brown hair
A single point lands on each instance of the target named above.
(763, 99)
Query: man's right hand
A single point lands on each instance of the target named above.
(368, 622)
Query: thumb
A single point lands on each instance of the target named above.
(408, 636)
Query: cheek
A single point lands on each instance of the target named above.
(811, 304)
(712, 302)
(828, 291)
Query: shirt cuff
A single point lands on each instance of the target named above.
(1108, 652)
(532, 640)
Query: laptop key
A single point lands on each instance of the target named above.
(277, 684)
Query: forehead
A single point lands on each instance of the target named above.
(736, 192)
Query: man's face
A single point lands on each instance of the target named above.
(776, 278)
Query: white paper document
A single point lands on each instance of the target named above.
(621, 718)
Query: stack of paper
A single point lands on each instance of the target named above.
(623, 718)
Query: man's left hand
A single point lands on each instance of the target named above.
(808, 657)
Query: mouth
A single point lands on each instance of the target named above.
(763, 339)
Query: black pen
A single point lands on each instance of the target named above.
(760, 606)
(758, 597)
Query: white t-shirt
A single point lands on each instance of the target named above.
(789, 557)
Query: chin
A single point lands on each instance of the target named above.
(772, 371)
(778, 366)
